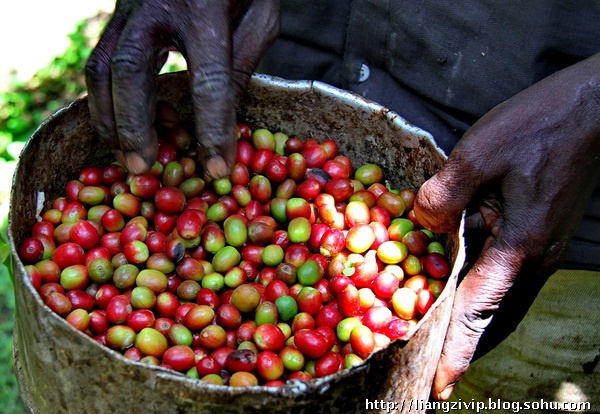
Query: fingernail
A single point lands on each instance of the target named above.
(216, 167)
(444, 395)
(135, 164)
(120, 157)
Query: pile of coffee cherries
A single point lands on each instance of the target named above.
(296, 266)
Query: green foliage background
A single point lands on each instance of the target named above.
(9, 394)
(23, 106)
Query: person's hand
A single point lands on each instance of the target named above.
(527, 168)
(222, 43)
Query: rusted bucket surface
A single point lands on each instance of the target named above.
(61, 370)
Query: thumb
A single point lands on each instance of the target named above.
(441, 200)
(477, 298)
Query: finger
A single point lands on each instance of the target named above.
(98, 80)
(256, 31)
(133, 72)
(477, 297)
(513, 308)
(209, 57)
(441, 200)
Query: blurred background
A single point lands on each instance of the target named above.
(43, 50)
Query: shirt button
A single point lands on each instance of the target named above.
(364, 73)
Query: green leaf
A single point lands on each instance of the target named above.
(5, 257)
(390, 188)
(4, 252)
(5, 139)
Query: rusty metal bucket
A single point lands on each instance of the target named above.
(61, 370)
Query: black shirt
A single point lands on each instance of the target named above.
(441, 65)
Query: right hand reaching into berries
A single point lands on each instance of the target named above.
(222, 42)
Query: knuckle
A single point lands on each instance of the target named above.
(426, 196)
(479, 294)
(130, 59)
(434, 195)
(471, 324)
(433, 212)
(519, 246)
(97, 66)
(211, 81)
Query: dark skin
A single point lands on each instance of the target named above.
(526, 169)
(222, 43)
